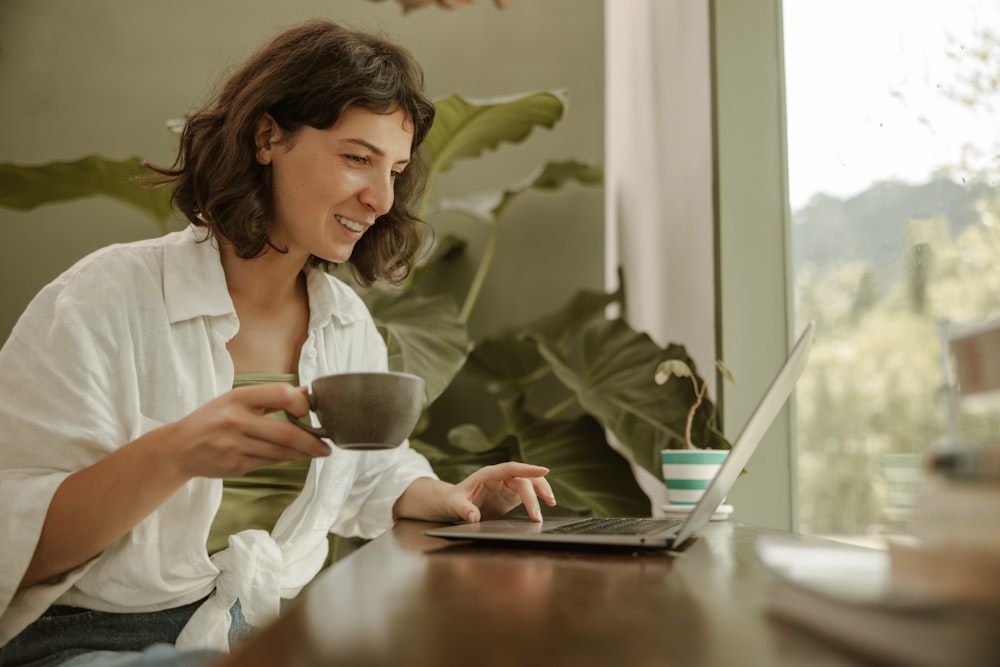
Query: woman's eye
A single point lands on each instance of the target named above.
(358, 159)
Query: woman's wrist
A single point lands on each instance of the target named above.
(425, 499)
(158, 452)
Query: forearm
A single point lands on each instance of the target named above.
(97, 505)
(425, 499)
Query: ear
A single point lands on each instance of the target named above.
(266, 136)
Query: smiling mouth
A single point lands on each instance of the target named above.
(352, 225)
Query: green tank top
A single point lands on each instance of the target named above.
(257, 499)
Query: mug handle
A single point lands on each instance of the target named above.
(308, 428)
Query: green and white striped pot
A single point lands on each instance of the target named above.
(687, 472)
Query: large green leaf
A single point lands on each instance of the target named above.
(470, 438)
(26, 187)
(617, 387)
(586, 474)
(511, 361)
(423, 334)
(489, 206)
(466, 128)
(562, 326)
(506, 363)
(467, 451)
(443, 247)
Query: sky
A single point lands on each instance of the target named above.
(864, 83)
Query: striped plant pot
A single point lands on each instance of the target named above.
(687, 472)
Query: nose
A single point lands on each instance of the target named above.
(379, 193)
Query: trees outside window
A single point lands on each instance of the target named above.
(893, 177)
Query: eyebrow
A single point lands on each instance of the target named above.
(373, 148)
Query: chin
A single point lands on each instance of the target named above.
(337, 252)
(335, 257)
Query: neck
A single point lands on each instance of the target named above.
(272, 278)
(271, 301)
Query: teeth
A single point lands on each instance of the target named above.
(351, 224)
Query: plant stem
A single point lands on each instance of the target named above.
(698, 395)
(556, 410)
(477, 281)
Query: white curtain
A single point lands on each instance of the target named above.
(659, 176)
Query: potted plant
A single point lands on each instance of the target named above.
(556, 392)
(687, 471)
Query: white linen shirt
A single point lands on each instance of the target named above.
(133, 337)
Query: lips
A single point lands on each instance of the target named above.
(352, 225)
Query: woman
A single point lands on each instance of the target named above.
(123, 403)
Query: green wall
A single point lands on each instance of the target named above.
(103, 76)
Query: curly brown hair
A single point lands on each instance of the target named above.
(307, 76)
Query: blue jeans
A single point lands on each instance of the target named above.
(73, 637)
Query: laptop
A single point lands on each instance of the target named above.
(650, 533)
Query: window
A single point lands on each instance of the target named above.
(893, 141)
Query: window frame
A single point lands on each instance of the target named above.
(753, 275)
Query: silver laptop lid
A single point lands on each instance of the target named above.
(748, 439)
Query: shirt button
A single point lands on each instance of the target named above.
(311, 353)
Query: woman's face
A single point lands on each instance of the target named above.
(329, 186)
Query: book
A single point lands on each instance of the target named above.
(955, 574)
(846, 595)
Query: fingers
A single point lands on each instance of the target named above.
(524, 488)
(536, 486)
(470, 513)
(243, 413)
(544, 491)
(512, 483)
(502, 471)
(282, 440)
(268, 398)
(272, 397)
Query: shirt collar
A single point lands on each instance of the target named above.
(194, 283)
(330, 299)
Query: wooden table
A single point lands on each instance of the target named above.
(406, 599)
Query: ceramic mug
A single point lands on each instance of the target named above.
(375, 410)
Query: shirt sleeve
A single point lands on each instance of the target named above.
(380, 477)
(57, 415)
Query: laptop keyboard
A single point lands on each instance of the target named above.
(614, 526)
